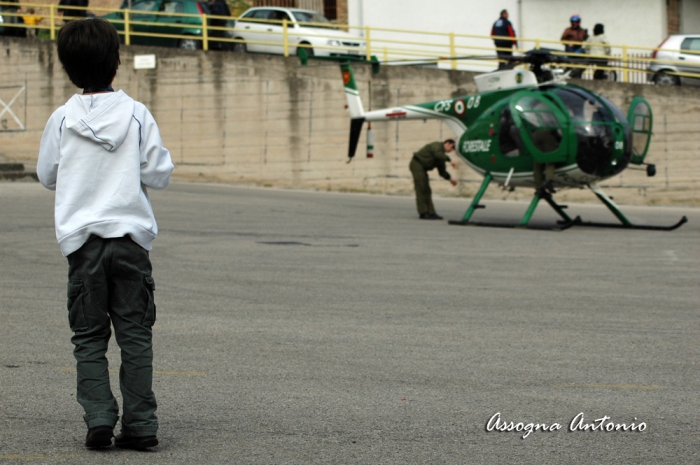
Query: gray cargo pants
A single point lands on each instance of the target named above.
(109, 280)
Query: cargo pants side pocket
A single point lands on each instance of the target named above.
(76, 312)
(149, 318)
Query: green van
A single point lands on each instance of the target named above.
(171, 17)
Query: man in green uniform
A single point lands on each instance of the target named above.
(433, 155)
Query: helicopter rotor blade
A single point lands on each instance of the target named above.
(410, 62)
(533, 57)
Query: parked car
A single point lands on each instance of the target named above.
(190, 26)
(676, 48)
(304, 27)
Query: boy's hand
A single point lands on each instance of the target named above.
(453, 182)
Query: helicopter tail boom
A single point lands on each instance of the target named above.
(352, 95)
(354, 106)
(410, 112)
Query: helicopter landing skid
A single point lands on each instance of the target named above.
(677, 225)
(624, 222)
(541, 194)
(561, 225)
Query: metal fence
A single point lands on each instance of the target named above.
(313, 5)
(392, 46)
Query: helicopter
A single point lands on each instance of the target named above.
(522, 116)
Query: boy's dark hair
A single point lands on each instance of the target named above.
(451, 141)
(89, 52)
(598, 29)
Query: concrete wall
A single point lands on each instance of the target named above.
(266, 120)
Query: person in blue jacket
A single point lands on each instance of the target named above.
(503, 28)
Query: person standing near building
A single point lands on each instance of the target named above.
(598, 47)
(12, 6)
(433, 155)
(70, 13)
(575, 33)
(219, 8)
(503, 28)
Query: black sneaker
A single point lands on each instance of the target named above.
(135, 442)
(425, 216)
(435, 216)
(98, 437)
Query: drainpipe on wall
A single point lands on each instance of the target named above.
(520, 18)
(361, 11)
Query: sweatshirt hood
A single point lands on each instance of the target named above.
(100, 117)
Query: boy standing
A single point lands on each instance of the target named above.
(30, 21)
(99, 152)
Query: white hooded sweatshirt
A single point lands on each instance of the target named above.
(100, 152)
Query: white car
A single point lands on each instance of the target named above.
(304, 27)
(678, 48)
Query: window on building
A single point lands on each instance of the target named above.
(330, 9)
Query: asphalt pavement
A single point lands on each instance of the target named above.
(300, 327)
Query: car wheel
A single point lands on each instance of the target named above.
(309, 51)
(189, 44)
(239, 47)
(663, 79)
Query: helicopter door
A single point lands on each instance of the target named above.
(543, 126)
(641, 120)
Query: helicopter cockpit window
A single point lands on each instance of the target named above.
(583, 108)
(594, 135)
(641, 126)
(619, 116)
(540, 123)
(509, 140)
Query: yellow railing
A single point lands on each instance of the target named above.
(397, 46)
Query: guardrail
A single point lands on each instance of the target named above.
(394, 46)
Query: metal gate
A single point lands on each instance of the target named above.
(13, 108)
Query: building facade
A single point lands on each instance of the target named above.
(641, 23)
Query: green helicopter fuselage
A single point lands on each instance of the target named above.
(504, 132)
